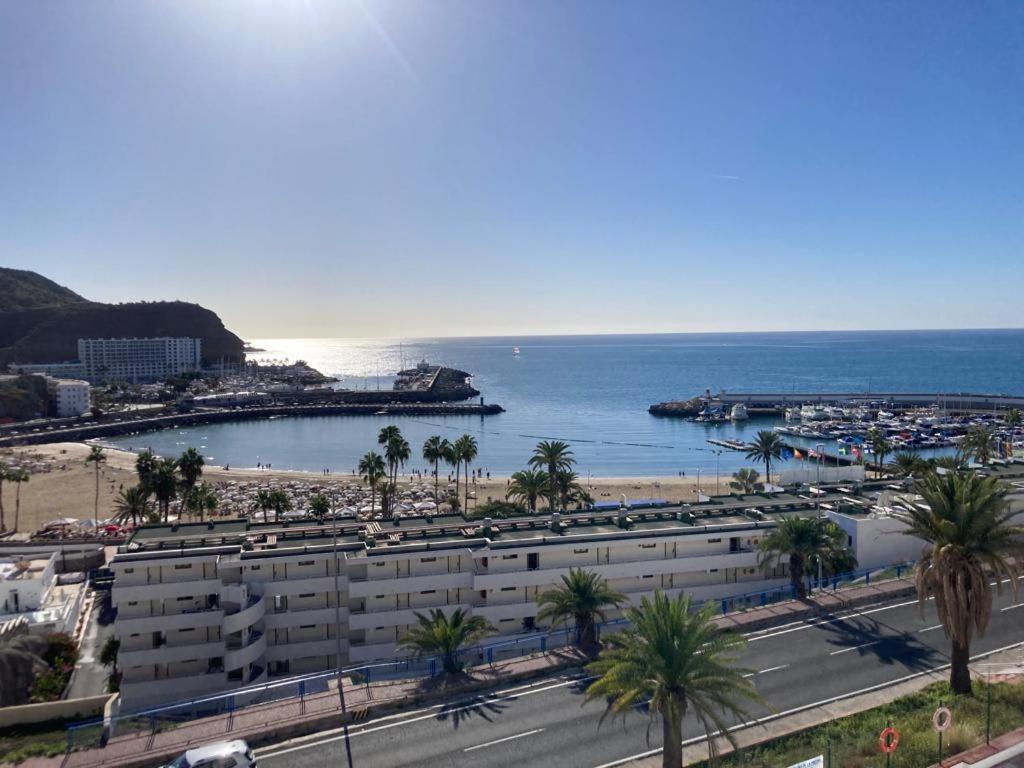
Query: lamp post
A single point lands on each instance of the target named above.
(718, 472)
(337, 602)
(698, 483)
(820, 447)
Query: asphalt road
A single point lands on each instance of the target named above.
(547, 723)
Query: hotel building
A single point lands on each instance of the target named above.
(206, 607)
(137, 360)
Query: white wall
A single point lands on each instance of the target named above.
(877, 540)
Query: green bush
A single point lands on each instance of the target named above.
(496, 509)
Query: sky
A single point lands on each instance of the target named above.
(408, 169)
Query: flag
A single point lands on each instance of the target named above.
(797, 454)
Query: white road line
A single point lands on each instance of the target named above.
(499, 741)
(430, 713)
(854, 648)
(805, 707)
(929, 629)
(1011, 607)
(773, 669)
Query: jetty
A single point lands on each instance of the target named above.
(732, 445)
(775, 403)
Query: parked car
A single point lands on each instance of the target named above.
(221, 754)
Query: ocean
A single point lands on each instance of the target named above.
(594, 391)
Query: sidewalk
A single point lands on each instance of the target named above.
(999, 754)
(290, 718)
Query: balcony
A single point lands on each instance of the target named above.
(300, 618)
(246, 617)
(168, 654)
(403, 584)
(328, 647)
(203, 617)
(165, 590)
(302, 586)
(362, 651)
(543, 576)
(240, 656)
(391, 617)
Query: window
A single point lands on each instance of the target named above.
(714, 541)
(580, 551)
(647, 577)
(428, 559)
(509, 589)
(304, 563)
(308, 594)
(510, 557)
(648, 546)
(254, 568)
(713, 570)
(129, 570)
(428, 592)
(134, 602)
(185, 567)
(307, 626)
(187, 629)
(183, 599)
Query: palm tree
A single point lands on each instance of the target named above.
(552, 455)
(767, 447)
(164, 483)
(527, 485)
(201, 499)
(280, 502)
(263, 502)
(678, 661)
(96, 457)
(569, 489)
(145, 465)
(980, 444)
(466, 450)
(17, 476)
(966, 523)
(132, 504)
(582, 597)
(909, 464)
(396, 452)
(805, 540)
(190, 465)
(445, 635)
(453, 459)
(372, 469)
(746, 480)
(319, 506)
(880, 446)
(1012, 417)
(435, 449)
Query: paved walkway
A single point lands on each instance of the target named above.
(279, 720)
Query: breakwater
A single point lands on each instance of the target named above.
(93, 430)
(776, 402)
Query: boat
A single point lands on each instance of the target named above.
(515, 351)
(813, 413)
(739, 412)
(792, 414)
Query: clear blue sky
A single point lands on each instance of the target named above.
(332, 168)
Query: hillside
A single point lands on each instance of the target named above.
(21, 289)
(48, 328)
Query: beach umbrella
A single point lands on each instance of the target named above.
(62, 522)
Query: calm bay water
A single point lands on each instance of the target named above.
(593, 391)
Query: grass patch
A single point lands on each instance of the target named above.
(854, 739)
(35, 740)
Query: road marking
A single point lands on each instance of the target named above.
(854, 648)
(929, 629)
(1011, 607)
(805, 707)
(499, 741)
(430, 713)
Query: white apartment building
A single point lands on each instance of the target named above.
(71, 397)
(25, 583)
(137, 360)
(206, 607)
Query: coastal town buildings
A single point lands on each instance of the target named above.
(135, 360)
(70, 396)
(206, 607)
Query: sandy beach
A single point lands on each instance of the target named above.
(63, 485)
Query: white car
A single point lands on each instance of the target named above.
(221, 754)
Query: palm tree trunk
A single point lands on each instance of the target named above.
(796, 575)
(768, 470)
(436, 500)
(3, 526)
(458, 466)
(672, 742)
(96, 506)
(17, 505)
(959, 672)
(552, 489)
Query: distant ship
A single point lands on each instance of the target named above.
(515, 351)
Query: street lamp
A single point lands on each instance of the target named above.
(698, 483)
(718, 472)
(821, 457)
(337, 602)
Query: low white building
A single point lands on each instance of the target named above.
(71, 397)
(25, 583)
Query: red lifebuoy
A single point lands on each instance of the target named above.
(889, 740)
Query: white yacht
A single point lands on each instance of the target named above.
(739, 412)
